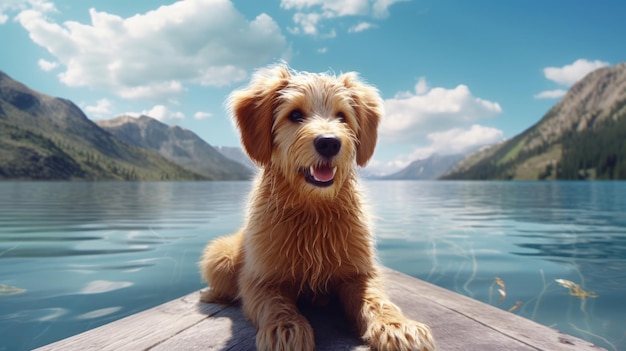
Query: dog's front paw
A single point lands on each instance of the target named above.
(400, 335)
(285, 336)
(209, 295)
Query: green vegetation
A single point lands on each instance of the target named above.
(512, 153)
(45, 138)
(583, 137)
(27, 154)
(596, 154)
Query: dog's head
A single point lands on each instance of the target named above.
(313, 128)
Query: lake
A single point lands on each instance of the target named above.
(76, 255)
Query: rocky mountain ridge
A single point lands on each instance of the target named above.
(48, 138)
(176, 144)
(592, 113)
(429, 168)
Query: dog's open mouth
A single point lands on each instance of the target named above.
(320, 175)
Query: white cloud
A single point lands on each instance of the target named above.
(47, 65)
(421, 87)
(551, 94)
(202, 115)
(159, 112)
(457, 140)
(157, 90)
(412, 115)
(381, 7)
(308, 22)
(309, 14)
(15, 6)
(381, 168)
(155, 54)
(449, 142)
(101, 109)
(362, 26)
(570, 74)
(334, 8)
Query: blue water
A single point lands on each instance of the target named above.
(74, 256)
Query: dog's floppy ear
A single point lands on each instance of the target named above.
(253, 110)
(369, 110)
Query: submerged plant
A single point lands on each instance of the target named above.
(502, 290)
(575, 289)
(517, 305)
(7, 290)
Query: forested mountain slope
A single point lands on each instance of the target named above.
(582, 137)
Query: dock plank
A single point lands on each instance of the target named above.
(489, 328)
(143, 330)
(458, 323)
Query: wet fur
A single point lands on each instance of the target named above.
(300, 240)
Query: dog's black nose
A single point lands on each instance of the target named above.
(327, 145)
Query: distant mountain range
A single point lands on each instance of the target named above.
(47, 138)
(582, 137)
(176, 144)
(427, 169)
(41, 137)
(237, 154)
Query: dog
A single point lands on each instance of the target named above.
(307, 233)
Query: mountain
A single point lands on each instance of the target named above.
(237, 154)
(582, 137)
(47, 138)
(176, 144)
(428, 168)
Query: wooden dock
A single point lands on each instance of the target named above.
(458, 323)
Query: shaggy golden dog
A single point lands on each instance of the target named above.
(307, 232)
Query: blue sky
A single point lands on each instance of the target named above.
(453, 74)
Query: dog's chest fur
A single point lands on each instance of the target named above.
(310, 243)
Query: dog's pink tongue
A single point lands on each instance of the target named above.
(323, 173)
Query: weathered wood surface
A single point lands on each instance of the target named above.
(458, 323)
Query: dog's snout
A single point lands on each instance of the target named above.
(327, 145)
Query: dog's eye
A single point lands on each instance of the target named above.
(341, 117)
(296, 116)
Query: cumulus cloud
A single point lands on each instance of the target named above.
(551, 94)
(362, 26)
(309, 14)
(159, 112)
(8, 7)
(155, 54)
(568, 75)
(47, 65)
(101, 109)
(449, 142)
(457, 140)
(202, 115)
(334, 8)
(380, 8)
(413, 115)
(381, 168)
(308, 22)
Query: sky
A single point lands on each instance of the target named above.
(454, 75)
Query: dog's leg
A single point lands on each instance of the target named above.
(220, 265)
(381, 323)
(280, 326)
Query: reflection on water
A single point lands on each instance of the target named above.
(74, 256)
(83, 254)
(463, 235)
